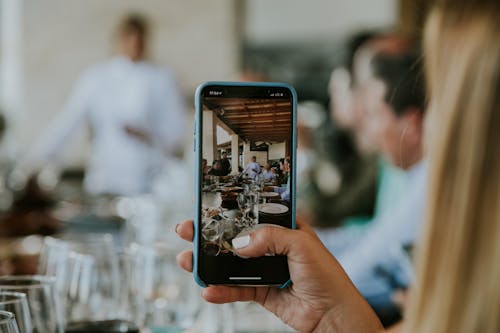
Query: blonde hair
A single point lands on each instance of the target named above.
(458, 281)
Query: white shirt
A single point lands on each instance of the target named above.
(252, 169)
(108, 97)
(366, 249)
(268, 174)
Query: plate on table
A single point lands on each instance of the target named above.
(269, 195)
(273, 208)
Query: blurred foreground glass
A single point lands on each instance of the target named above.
(161, 296)
(86, 271)
(17, 303)
(42, 301)
(8, 323)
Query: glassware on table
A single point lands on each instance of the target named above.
(8, 322)
(42, 298)
(87, 274)
(161, 296)
(248, 202)
(215, 318)
(17, 303)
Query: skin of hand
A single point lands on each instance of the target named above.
(321, 297)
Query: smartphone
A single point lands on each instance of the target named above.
(245, 151)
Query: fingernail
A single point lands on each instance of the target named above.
(241, 242)
(176, 227)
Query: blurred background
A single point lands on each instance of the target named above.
(45, 46)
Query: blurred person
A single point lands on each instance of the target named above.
(284, 191)
(395, 101)
(457, 287)
(134, 110)
(340, 87)
(281, 176)
(253, 168)
(216, 169)
(204, 166)
(225, 164)
(344, 175)
(268, 173)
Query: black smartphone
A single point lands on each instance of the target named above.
(245, 147)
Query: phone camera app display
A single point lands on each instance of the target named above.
(246, 167)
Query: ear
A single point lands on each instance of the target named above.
(412, 124)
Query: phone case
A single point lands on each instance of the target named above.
(198, 158)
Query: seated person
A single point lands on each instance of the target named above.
(216, 169)
(268, 173)
(225, 164)
(204, 167)
(395, 102)
(284, 191)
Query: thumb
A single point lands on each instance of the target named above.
(265, 239)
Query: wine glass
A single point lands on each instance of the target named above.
(162, 296)
(8, 322)
(248, 202)
(87, 274)
(17, 304)
(244, 204)
(53, 262)
(42, 300)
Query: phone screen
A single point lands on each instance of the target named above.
(246, 138)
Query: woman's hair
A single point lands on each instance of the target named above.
(458, 282)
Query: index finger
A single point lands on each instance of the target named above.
(185, 230)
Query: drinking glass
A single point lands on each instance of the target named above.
(162, 297)
(53, 262)
(18, 305)
(42, 300)
(248, 202)
(8, 322)
(87, 274)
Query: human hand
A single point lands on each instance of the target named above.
(321, 298)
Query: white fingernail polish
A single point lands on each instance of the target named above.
(241, 242)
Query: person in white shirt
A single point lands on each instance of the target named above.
(253, 168)
(393, 90)
(135, 112)
(268, 173)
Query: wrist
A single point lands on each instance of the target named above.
(349, 317)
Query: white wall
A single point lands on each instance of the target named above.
(288, 20)
(277, 151)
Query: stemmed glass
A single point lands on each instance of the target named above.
(18, 305)
(87, 273)
(8, 322)
(248, 201)
(161, 296)
(42, 300)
